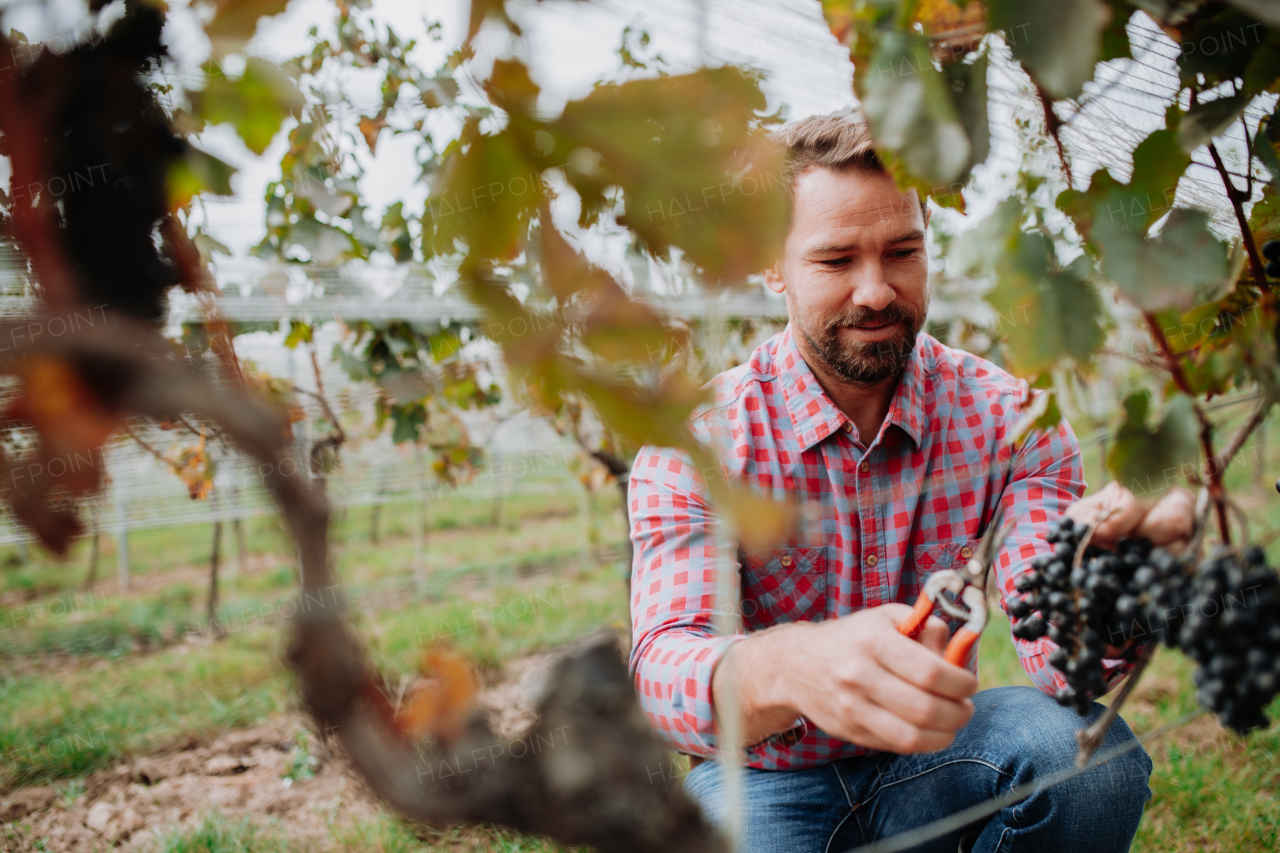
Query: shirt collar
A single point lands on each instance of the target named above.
(815, 416)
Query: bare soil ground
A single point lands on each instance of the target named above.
(281, 770)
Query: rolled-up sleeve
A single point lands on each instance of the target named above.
(673, 598)
(1047, 476)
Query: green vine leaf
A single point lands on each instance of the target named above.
(697, 171)
(968, 83)
(1158, 164)
(234, 21)
(1222, 47)
(909, 107)
(1208, 120)
(358, 369)
(255, 104)
(1046, 311)
(1264, 218)
(394, 234)
(490, 193)
(1181, 266)
(1054, 312)
(324, 244)
(1057, 41)
(1266, 147)
(1115, 37)
(299, 333)
(1145, 459)
(1228, 343)
(197, 172)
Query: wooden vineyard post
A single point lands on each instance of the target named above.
(92, 574)
(122, 539)
(242, 545)
(212, 612)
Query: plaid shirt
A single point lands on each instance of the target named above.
(876, 518)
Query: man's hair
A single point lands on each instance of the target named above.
(837, 141)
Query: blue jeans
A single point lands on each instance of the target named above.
(1017, 734)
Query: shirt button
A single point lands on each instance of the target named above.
(966, 552)
(848, 426)
(872, 559)
(864, 467)
(786, 560)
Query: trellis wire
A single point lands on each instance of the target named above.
(143, 493)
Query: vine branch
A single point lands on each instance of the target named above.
(147, 447)
(1214, 475)
(1092, 737)
(1248, 154)
(1238, 197)
(334, 439)
(1052, 124)
(1236, 443)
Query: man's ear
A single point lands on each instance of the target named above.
(928, 214)
(773, 278)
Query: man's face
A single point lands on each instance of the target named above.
(855, 272)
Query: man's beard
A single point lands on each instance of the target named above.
(867, 362)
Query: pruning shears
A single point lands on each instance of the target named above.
(968, 588)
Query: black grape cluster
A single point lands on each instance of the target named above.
(1225, 616)
(1271, 251)
(1232, 630)
(1085, 609)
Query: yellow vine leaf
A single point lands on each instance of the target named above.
(72, 420)
(944, 16)
(441, 699)
(194, 466)
(761, 522)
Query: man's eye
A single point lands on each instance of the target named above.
(835, 262)
(906, 253)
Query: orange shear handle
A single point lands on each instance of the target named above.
(960, 647)
(914, 624)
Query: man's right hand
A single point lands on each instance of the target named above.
(855, 677)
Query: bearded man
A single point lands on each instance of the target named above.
(896, 450)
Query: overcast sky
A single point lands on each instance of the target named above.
(569, 46)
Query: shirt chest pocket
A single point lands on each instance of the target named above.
(933, 557)
(785, 585)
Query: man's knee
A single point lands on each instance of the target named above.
(1123, 767)
(1041, 734)
(1040, 737)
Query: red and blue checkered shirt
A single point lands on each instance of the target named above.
(876, 518)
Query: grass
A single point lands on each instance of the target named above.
(385, 834)
(152, 702)
(86, 718)
(492, 594)
(219, 835)
(92, 677)
(159, 551)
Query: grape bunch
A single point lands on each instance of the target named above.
(1087, 610)
(1225, 616)
(1232, 630)
(1271, 251)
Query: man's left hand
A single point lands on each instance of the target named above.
(1117, 512)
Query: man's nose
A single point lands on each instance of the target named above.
(870, 289)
